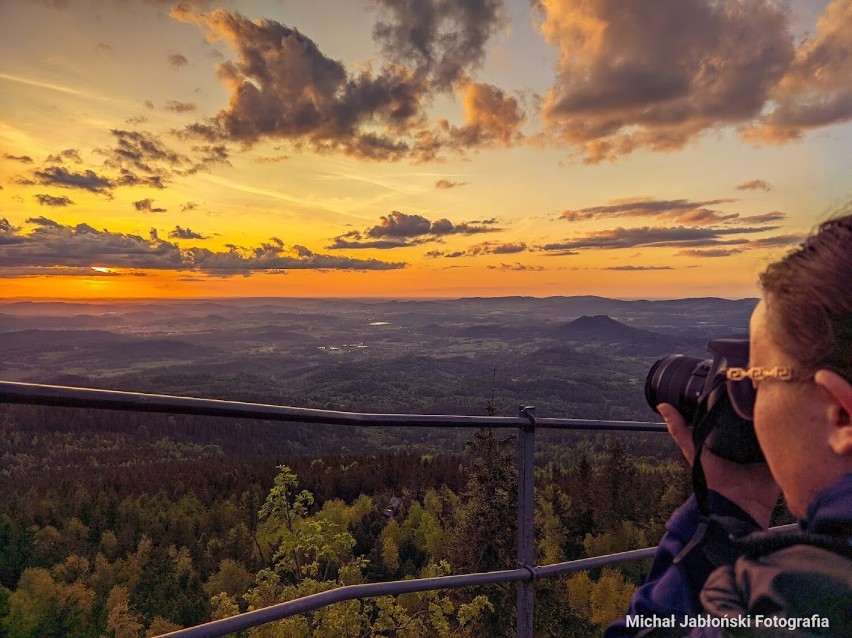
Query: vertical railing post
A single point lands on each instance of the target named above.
(526, 512)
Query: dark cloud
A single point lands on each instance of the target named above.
(147, 206)
(792, 119)
(136, 120)
(765, 218)
(677, 210)
(210, 154)
(87, 180)
(24, 159)
(52, 245)
(103, 46)
(516, 266)
(8, 233)
(50, 200)
(179, 107)
(443, 40)
(43, 221)
(188, 206)
(398, 224)
(177, 60)
(629, 78)
(139, 159)
(272, 256)
(753, 185)
(708, 252)
(497, 248)
(681, 211)
(433, 254)
(284, 87)
(342, 242)
(58, 271)
(399, 230)
(635, 76)
(207, 132)
(71, 154)
(793, 239)
(438, 227)
(144, 159)
(184, 233)
(129, 178)
(632, 268)
(680, 236)
(484, 248)
(632, 76)
(446, 183)
(149, 104)
(816, 91)
(492, 118)
(142, 151)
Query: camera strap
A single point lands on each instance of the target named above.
(703, 424)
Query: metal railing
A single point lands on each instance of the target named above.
(526, 424)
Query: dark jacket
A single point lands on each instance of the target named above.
(793, 575)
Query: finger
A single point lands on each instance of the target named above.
(678, 429)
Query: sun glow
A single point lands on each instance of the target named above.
(528, 179)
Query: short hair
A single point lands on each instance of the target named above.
(808, 295)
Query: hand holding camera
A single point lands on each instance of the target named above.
(750, 486)
(720, 408)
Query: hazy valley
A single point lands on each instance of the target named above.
(434, 356)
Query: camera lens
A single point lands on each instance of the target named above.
(678, 380)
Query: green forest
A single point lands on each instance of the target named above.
(124, 524)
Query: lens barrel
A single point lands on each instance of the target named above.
(677, 380)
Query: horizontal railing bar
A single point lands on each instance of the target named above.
(597, 424)
(348, 592)
(394, 588)
(62, 396)
(568, 567)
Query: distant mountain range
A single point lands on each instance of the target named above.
(282, 339)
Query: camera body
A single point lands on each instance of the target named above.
(697, 388)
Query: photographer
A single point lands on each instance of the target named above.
(715, 561)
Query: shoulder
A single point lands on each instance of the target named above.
(795, 582)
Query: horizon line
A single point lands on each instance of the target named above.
(349, 298)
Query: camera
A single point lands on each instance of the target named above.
(697, 388)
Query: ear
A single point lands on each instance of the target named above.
(839, 409)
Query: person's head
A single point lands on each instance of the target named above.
(805, 321)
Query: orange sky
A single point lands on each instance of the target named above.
(332, 148)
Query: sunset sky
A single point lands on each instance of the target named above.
(416, 148)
